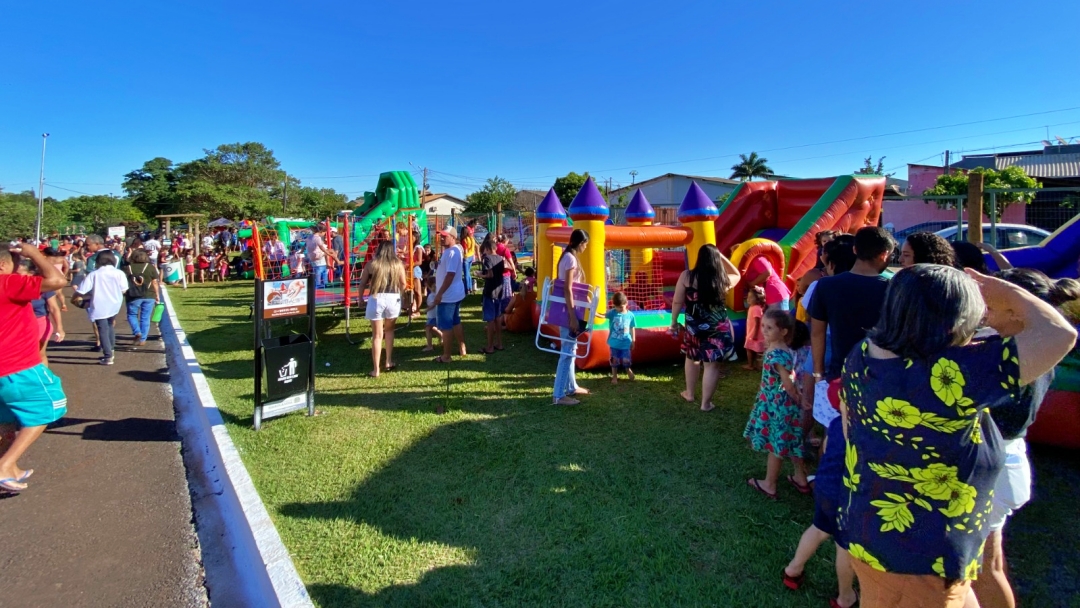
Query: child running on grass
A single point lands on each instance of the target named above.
(430, 329)
(621, 335)
(774, 426)
(754, 343)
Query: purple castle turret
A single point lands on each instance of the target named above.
(697, 206)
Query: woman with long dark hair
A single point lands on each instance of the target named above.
(708, 338)
(385, 276)
(570, 272)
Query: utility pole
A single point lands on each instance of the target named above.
(633, 177)
(285, 196)
(424, 184)
(40, 190)
(946, 162)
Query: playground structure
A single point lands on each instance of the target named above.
(392, 214)
(775, 219)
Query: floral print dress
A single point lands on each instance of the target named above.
(923, 455)
(774, 425)
(709, 336)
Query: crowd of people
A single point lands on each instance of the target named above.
(923, 382)
(109, 277)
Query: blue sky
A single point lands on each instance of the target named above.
(528, 91)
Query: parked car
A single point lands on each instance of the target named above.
(1009, 236)
(900, 235)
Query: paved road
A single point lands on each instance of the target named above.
(107, 518)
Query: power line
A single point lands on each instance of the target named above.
(836, 141)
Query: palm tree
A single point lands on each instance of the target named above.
(751, 166)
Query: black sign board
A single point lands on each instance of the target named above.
(285, 363)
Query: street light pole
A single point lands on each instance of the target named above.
(40, 194)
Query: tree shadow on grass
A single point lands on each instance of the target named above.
(568, 507)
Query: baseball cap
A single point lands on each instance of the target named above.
(448, 231)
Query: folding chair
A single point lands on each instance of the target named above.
(553, 312)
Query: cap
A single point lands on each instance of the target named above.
(448, 231)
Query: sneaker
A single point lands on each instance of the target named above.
(106, 361)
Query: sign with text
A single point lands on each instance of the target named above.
(117, 232)
(288, 298)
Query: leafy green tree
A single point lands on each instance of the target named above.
(232, 180)
(496, 195)
(750, 167)
(18, 215)
(98, 212)
(567, 187)
(869, 168)
(317, 202)
(956, 184)
(152, 189)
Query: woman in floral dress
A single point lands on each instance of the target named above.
(708, 338)
(923, 453)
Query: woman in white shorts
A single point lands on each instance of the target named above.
(384, 278)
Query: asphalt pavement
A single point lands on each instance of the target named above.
(107, 518)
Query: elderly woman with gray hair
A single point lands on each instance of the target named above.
(923, 453)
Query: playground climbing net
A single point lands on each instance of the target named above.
(646, 276)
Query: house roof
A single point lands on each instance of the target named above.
(697, 178)
(429, 197)
(1050, 162)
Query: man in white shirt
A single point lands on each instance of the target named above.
(152, 246)
(317, 254)
(450, 291)
(108, 285)
(207, 243)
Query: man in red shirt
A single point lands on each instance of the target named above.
(30, 395)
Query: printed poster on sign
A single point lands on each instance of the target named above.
(117, 232)
(285, 299)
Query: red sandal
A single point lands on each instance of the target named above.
(793, 582)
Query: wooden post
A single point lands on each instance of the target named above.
(195, 234)
(975, 207)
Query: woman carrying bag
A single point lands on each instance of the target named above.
(143, 294)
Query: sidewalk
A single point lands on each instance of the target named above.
(107, 518)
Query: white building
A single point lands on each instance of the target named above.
(441, 204)
(669, 189)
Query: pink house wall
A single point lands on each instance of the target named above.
(903, 214)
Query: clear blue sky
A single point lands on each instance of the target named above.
(526, 91)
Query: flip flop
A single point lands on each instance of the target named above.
(753, 483)
(26, 475)
(835, 603)
(391, 368)
(709, 409)
(439, 359)
(793, 582)
(803, 489)
(11, 485)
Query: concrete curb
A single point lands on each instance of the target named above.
(245, 561)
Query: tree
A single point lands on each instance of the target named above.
(152, 189)
(869, 168)
(956, 184)
(99, 211)
(496, 195)
(317, 202)
(232, 180)
(750, 167)
(567, 187)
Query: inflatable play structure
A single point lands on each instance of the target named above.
(1058, 255)
(775, 219)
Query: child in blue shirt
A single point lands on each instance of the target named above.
(621, 336)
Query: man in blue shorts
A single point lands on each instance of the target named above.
(450, 291)
(30, 395)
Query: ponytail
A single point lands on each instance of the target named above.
(1064, 291)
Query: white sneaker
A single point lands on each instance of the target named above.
(106, 361)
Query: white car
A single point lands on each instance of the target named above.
(1009, 236)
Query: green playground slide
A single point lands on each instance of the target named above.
(395, 192)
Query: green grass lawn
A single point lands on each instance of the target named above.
(634, 498)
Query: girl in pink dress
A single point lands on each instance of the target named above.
(755, 342)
